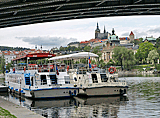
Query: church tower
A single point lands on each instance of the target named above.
(104, 30)
(97, 31)
(131, 36)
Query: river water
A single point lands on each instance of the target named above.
(142, 101)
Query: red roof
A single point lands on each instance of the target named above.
(124, 38)
(84, 42)
(131, 33)
(36, 56)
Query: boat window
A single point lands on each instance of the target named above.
(104, 78)
(27, 80)
(43, 80)
(32, 81)
(94, 78)
(84, 71)
(67, 79)
(75, 78)
(80, 72)
(53, 79)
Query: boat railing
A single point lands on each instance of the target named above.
(119, 81)
(82, 71)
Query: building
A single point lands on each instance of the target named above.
(8, 56)
(102, 42)
(107, 52)
(99, 35)
(131, 37)
(114, 39)
(124, 40)
(83, 44)
(150, 39)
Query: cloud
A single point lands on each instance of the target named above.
(155, 30)
(125, 34)
(140, 33)
(47, 42)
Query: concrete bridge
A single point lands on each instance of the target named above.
(23, 12)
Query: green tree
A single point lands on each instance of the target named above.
(101, 63)
(9, 65)
(141, 40)
(84, 61)
(87, 48)
(157, 45)
(2, 66)
(93, 62)
(143, 51)
(123, 57)
(97, 51)
(110, 62)
(153, 56)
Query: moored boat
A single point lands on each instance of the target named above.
(38, 81)
(99, 83)
(94, 82)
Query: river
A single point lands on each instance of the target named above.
(142, 101)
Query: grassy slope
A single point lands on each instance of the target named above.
(5, 114)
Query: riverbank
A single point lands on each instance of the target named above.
(136, 74)
(18, 111)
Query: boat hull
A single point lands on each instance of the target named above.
(103, 91)
(3, 88)
(54, 93)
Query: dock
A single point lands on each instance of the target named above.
(18, 111)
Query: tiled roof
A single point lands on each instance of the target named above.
(84, 42)
(124, 38)
(131, 33)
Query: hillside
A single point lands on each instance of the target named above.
(4, 48)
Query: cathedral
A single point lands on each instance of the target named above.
(104, 35)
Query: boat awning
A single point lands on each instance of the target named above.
(79, 55)
(35, 56)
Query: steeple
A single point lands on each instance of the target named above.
(104, 30)
(97, 26)
(113, 31)
(97, 30)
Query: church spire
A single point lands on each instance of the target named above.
(104, 30)
(97, 26)
(97, 31)
(113, 31)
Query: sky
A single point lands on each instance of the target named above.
(60, 33)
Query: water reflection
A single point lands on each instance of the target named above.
(73, 107)
(98, 107)
(143, 100)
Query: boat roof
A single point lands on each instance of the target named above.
(35, 56)
(74, 56)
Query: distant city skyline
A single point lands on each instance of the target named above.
(60, 33)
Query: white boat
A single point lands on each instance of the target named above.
(95, 82)
(39, 82)
(99, 83)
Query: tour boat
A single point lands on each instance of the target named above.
(98, 82)
(38, 81)
(94, 82)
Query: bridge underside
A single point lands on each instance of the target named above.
(23, 12)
